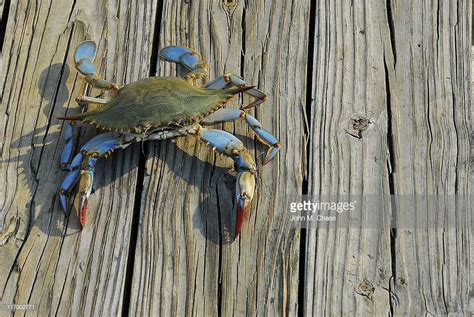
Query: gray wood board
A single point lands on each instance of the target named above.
(186, 260)
(45, 259)
(405, 66)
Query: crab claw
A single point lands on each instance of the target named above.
(183, 55)
(174, 53)
(243, 194)
(85, 189)
(245, 187)
(229, 145)
(65, 189)
(187, 57)
(83, 58)
(191, 60)
(82, 168)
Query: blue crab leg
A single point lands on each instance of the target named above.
(66, 187)
(222, 141)
(264, 136)
(228, 79)
(258, 95)
(83, 58)
(227, 144)
(225, 81)
(82, 168)
(218, 83)
(75, 163)
(67, 150)
(187, 57)
(103, 144)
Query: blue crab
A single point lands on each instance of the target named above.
(158, 108)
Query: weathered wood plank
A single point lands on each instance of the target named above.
(432, 117)
(3, 22)
(46, 260)
(348, 269)
(405, 66)
(186, 262)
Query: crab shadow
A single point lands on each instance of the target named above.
(35, 149)
(213, 217)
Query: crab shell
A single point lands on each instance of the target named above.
(157, 102)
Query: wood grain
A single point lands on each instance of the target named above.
(45, 259)
(186, 261)
(3, 23)
(404, 66)
(432, 117)
(165, 247)
(348, 268)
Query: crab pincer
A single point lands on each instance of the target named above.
(187, 57)
(229, 145)
(83, 58)
(85, 188)
(82, 169)
(245, 187)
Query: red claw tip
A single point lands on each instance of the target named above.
(241, 213)
(82, 214)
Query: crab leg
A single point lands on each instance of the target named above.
(75, 163)
(187, 57)
(264, 136)
(81, 99)
(67, 150)
(227, 144)
(66, 187)
(83, 58)
(231, 79)
(82, 168)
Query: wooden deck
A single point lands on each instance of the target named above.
(158, 240)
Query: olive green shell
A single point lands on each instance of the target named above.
(156, 102)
